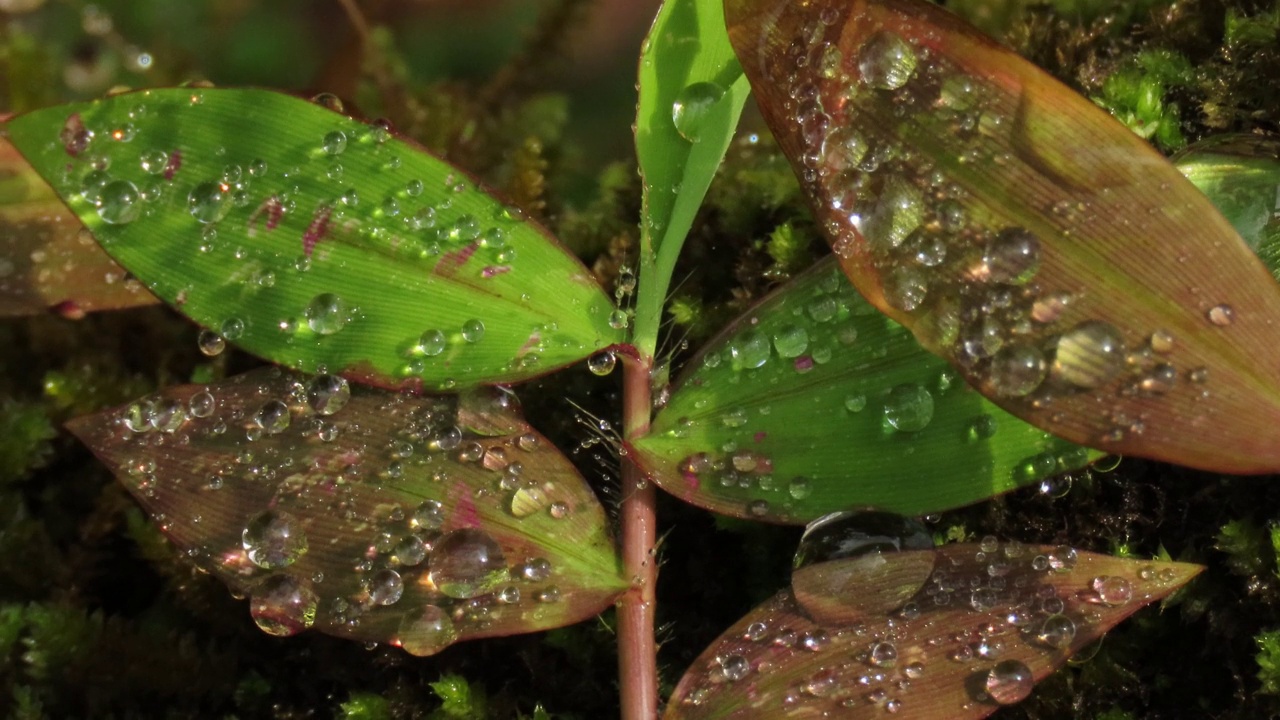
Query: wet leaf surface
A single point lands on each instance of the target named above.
(691, 93)
(416, 521)
(969, 195)
(318, 241)
(45, 260)
(985, 623)
(812, 402)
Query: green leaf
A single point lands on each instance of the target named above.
(976, 635)
(812, 402)
(691, 93)
(1241, 175)
(315, 240)
(415, 521)
(1129, 315)
(45, 260)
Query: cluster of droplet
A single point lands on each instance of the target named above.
(969, 278)
(803, 333)
(455, 575)
(886, 643)
(123, 178)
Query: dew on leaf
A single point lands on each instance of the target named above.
(426, 631)
(1009, 682)
(1016, 371)
(734, 667)
(602, 363)
(211, 343)
(749, 349)
(466, 563)
(326, 314)
(908, 408)
(283, 605)
(166, 415)
(327, 394)
(432, 342)
(1221, 315)
(692, 108)
(201, 405)
(118, 203)
(534, 570)
(790, 341)
(410, 551)
(273, 417)
(428, 516)
(335, 142)
(1088, 355)
(1112, 589)
(209, 202)
(473, 331)
(273, 540)
(386, 587)
(1011, 257)
(883, 654)
(886, 61)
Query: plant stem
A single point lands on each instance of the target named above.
(637, 649)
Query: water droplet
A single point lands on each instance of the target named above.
(1063, 558)
(535, 570)
(883, 654)
(283, 605)
(1012, 257)
(1221, 315)
(327, 394)
(472, 331)
(274, 539)
(166, 415)
(602, 363)
(232, 328)
(1056, 631)
(734, 667)
(1016, 371)
(209, 202)
(692, 107)
(527, 501)
(898, 212)
(211, 343)
(426, 631)
(466, 563)
(886, 61)
(118, 203)
(386, 587)
(855, 403)
(1112, 589)
(153, 162)
(983, 427)
(799, 488)
(273, 417)
(410, 551)
(1089, 355)
(1162, 342)
(428, 516)
(201, 404)
(791, 341)
(1009, 682)
(335, 142)
(749, 349)
(326, 314)
(908, 408)
(618, 319)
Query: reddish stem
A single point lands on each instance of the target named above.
(637, 649)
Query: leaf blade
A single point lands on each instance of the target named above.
(810, 426)
(317, 240)
(1117, 237)
(372, 481)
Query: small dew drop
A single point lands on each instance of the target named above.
(327, 394)
(908, 408)
(274, 539)
(473, 331)
(1009, 682)
(602, 363)
(326, 314)
(335, 142)
(211, 343)
(1221, 315)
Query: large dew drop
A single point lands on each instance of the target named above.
(749, 350)
(1089, 355)
(283, 605)
(426, 631)
(209, 202)
(118, 203)
(908, 408)
(692, 108)
(854, 565)
(327, 394)
(326, 314)
(886, 61)
(1009, 682)
(466, 563)
(274, 539)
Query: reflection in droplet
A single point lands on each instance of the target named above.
(426, 631)
(274, 539)
(466, 563)
(692, 108)
(283, 605)
(1009, 682)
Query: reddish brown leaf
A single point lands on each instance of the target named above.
(989, 622)
(1054, 257)
(373, 516)
(45, 260)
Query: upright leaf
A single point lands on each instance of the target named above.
(972, 197)
(812, 402)
(691, 93)
(415, 521)
(984, 624)
(46, 261)
(315, 240)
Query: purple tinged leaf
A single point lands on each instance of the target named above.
(363, 514)
(1129, 315)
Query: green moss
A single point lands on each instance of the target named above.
(365, 706)
(25, 435)
(1248, 547)
(459, 699)
(1268, 658)
(1138, 95)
